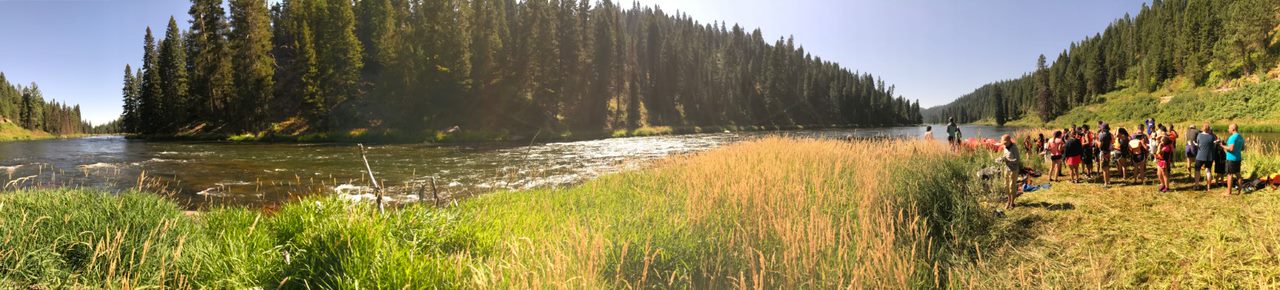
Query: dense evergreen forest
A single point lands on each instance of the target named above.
(26, 107)
(1198, 42)
(495, 65)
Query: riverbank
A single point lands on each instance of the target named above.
(1084, 235)
(285, 133)
(1076, 236)
(773, 213)
(12, 132)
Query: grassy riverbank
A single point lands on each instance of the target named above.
(12, 132)
(1087, 236)
(772, 213)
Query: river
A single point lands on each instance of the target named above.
(202, 174)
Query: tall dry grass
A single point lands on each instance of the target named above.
(770, 213)
(773, 213)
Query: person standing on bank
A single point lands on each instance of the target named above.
(1104, 153)
(1191, 150)
(952, 131)
(1204, 155)
(1074, 153)
(1013, 164)
(928, 133)
(1235, 149)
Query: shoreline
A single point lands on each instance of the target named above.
(468, 136)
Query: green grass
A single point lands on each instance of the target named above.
(1256, 105)
(12, 132)
(1132, 236)
(79, 238)
(775, 213)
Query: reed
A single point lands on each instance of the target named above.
(774, 213)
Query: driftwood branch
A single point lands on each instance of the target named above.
(435, 194)
(377, 189)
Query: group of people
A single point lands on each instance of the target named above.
(1092, 156)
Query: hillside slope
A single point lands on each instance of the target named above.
(13, 132)
(1170, 46)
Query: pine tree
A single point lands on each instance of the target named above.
(149, 103)
(375, 28)
(32, 108)
(250, 40)
(338, 55)
(211, 75)
(998, 102)
(1249, 27)
(171, 104)
(604, 66)
(1042, 91)
(129, 115)
(418, 65)
(487, 47)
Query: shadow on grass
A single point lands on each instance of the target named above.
(1015, 231)
(1048, 206)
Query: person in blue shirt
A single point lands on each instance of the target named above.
(1204, 155)
(1235, 149)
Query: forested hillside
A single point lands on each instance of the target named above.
(26, 108)
(494, 65)
(1183, 43)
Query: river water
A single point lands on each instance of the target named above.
(202, 174)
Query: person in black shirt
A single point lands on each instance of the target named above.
(1074, 152)
(1104, 153)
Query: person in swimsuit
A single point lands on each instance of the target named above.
(1040, 142)
(1164, 157)
(1138, 154)
(1055, 156)
(1120, 154)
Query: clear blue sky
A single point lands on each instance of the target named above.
(932, 50)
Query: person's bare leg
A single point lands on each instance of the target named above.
(1124, 172)
(1013, 188)
(1144, 175)
(1208, 179)
(1195, 177)
(1230, 178)
(1055, 171)
(1106, 181)
(1164, 178)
